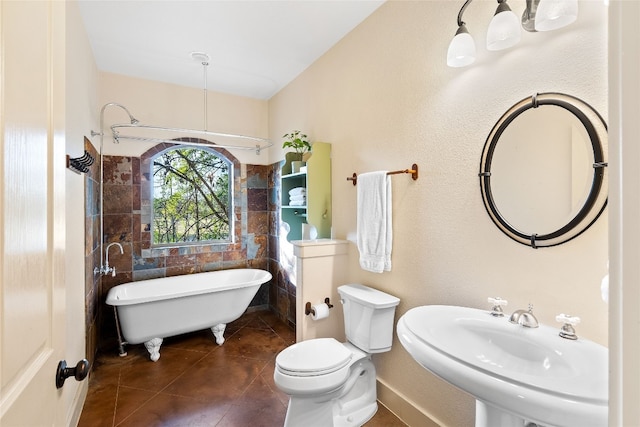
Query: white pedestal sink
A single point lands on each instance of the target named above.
(518, 375)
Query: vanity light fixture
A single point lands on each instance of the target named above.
(462, 49)
(548, 15)
(504, 29)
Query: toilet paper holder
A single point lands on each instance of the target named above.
(309, 310)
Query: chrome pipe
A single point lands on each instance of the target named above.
(121, 342)
(206, 115)
(133, 121)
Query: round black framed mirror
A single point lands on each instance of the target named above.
(543, 169)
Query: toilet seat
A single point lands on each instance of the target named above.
(314, 367)
(320, 356)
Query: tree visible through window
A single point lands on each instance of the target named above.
(191, 196)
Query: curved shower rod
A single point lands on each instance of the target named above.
(261, 143)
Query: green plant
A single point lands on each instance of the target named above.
(296, 140)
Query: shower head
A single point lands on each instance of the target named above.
(132, 119)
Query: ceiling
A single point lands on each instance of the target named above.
(255, 47)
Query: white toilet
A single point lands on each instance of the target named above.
(332, 383)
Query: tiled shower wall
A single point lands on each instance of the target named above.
(92, 252)
(126, 218)
(282, 295)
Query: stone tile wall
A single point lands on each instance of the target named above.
(282, 296)
(92, 252)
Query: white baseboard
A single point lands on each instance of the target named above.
(402, 407)
(73, 418)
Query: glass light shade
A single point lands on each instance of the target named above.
(462, 49)
(554, 14)
(504, 29)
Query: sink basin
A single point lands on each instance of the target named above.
(517, 374)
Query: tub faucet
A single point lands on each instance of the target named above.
(105, 269)
(525, 318)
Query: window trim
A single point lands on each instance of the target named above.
(235, 210)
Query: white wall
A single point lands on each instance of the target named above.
(385, 99)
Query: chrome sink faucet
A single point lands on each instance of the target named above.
(524, 318)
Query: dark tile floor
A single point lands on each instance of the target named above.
(198, 383)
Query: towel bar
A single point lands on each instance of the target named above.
(413, 171)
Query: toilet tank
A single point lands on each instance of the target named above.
(368, 317)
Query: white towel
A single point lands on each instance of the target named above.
(296, 203)
(374, 228)
(297, 191)
(292, 198)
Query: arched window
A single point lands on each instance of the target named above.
(192, 196)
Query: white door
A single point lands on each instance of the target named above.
(32, 172)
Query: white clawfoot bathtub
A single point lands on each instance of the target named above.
(150, 310)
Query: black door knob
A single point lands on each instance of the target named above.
(79, 372)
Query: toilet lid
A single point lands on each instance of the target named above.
(313, 357)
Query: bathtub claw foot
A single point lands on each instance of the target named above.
(153, 347)
(218, 332)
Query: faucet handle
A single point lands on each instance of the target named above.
(497, 302)
(567, 331)
(567, 319)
